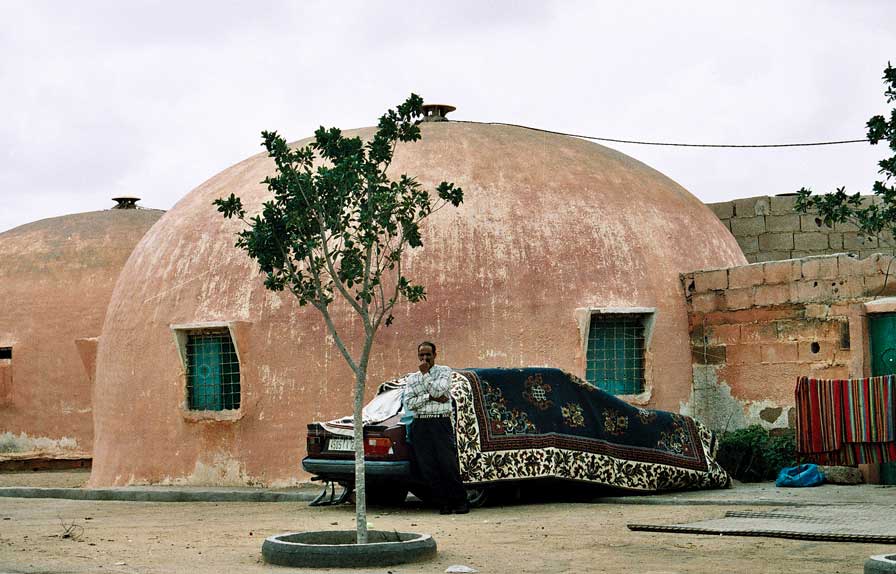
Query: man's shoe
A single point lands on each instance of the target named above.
(462, 509)
(446, 510)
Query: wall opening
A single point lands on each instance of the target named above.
(212, 369)
(615, 352)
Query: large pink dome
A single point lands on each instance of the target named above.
(550, 227)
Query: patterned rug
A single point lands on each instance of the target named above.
(516, 424)
(844, 523)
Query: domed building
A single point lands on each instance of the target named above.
(56, 278)
(564, 253)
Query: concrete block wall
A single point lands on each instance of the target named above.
(770, 229)
(754, 329)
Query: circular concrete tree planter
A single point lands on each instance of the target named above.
(882, 564)
(337, 548)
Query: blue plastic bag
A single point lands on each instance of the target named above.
(801, 475)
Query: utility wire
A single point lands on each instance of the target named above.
(666, 143)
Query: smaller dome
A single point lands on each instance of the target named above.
(56, 278)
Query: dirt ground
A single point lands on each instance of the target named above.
(51, 535)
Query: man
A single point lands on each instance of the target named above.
(432, 435)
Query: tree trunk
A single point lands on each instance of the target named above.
(360, 486)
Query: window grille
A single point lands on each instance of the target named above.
(615, 354)
(213, 371)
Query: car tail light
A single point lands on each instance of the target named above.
(377, 446)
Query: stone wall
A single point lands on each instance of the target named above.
(754, 329)
(770, 229)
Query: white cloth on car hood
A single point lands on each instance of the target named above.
(385, 404)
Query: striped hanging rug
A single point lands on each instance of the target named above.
(846, 421)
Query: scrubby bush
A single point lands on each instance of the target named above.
(752, 454)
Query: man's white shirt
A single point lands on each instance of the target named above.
(420, 388)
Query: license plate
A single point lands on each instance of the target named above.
(341, 444)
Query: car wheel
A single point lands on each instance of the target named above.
(477, 496)
(386, 495)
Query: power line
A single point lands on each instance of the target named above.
(672, 144)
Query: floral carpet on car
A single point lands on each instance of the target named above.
(515, 424)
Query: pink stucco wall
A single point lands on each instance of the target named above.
(56, 277)
(549, 225)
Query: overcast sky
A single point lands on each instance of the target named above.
(151, 98)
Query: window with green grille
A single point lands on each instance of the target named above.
(615, 355)
(213, 372)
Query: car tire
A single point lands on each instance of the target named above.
(477, 496)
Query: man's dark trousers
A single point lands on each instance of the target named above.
(436, 453)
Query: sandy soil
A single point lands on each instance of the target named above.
(130, 537)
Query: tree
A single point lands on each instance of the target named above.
(879, 216)
(337, 227)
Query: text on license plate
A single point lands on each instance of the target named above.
(341, 444)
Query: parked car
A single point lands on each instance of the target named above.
(516, 425)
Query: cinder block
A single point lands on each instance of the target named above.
(811, 222)
(745, 276)
(782, 271)
(793, 330)
(883, 263)
(744, 354)
(782, 223)
(743, 226)
(776, 242)
(845, 309)
(707, 302)
(782, 352)
(710, 280)
(852, 287)
(845, 226)
(708, 355)
(764, 256)
(810, 241)
(758, 332)
(817, 310)
(868, 200)
(854, 241)
(761, 207)
(766, 295)
(877, 285)
(868, 252)
(723, 334)
(739, 298)
(811, 290)
(815, 351)
(783, 204)
(819, 267)
(835, 241)
(748, 244)
(838, 372)
(848, 265)
(745, 207)
(723, 210)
